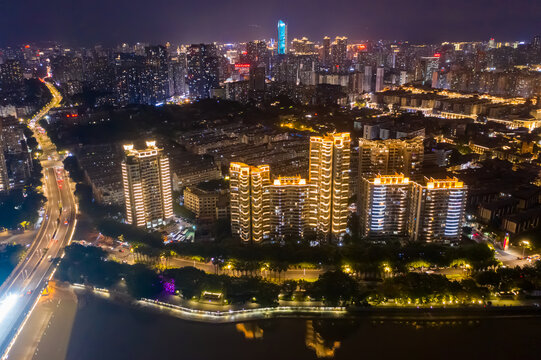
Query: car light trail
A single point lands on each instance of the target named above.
(6, 304)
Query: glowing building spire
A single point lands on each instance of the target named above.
(282, 37)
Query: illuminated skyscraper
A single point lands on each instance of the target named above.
(249, 201)
(329, 173)
(437, 209)
(147, 186)
(282, 38)
(384, 205)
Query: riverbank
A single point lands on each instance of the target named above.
(229, 315)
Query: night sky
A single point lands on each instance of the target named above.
(80, 22)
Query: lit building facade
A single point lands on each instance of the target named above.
(437, 209)
(329, 167)
(249, 201)
(387, 157)
(384, 208)
(282, 38)
(291, 206)
(146, 180)
(288, 207)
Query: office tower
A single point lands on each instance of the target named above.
(249, 201)
(380, 73)
(386, 157)
(383, 208)
(147, 186)
(288, 199)
(437, 209)
(203, 69)
(329, 173)
(367, 79)
(282, 38)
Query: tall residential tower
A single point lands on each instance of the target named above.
(147, 186)
(329, 174)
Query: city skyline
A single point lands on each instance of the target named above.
(236, 161)
(239, 21)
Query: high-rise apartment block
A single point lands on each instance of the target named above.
(429, 210)
(249, 201)
(288, 207)
(147, 186)
(390, 156)
(329, 167)
(384, 205)
(203, 69)
(437, 209)
(291, 206)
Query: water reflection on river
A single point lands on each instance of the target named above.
(104, 330)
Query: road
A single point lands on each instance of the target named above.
(20, 292)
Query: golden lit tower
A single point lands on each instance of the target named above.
(437, 209)
(249, 201)
(329, 173)
(147, 186)
(384, 206)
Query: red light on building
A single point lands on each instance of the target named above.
(244, 52)
(27, 46)
(361, 47)
(437, 55)
(242, 65)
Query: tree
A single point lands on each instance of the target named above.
(143, 282)
(335, 288)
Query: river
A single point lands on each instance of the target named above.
(107, 330)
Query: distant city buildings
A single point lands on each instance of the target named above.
(147, 186)
(203, 69)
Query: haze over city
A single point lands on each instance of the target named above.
(110, 22)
